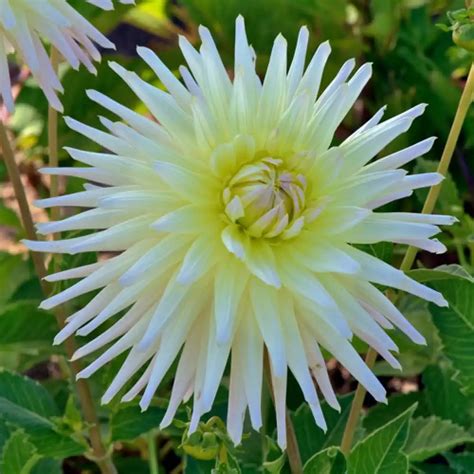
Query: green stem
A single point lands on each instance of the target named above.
(356, 406)
(471, 253)
(460, 253)
(433, 194)
(410, 255)
(152, 454)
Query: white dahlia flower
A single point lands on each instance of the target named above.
(25, 24)
(236, 219)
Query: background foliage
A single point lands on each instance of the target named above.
(428, 424)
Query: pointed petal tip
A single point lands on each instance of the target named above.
(117, 68)
(202, 29)
(182, 40)
(83, 332)
(235, 438)
(326, 46)
(271, 280)
(305, 30)
(396, 364)
(258, 425)
(75, 356)
(421, 341)
(42, 228)
(380, 394)
(106, 399)
(280, 39)
(45, 305)
(166, 421)
(442, 302)
(282, 444)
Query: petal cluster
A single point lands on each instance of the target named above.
(237, 221)
(26, 24)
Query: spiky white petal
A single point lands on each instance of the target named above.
(25, 24)
(238, 223)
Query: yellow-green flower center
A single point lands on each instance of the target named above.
(266, 199)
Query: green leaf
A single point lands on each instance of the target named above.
(456, 327)
(8, 217)
(462, 463)
(275, 466)
(430, 436)
(26, 393)
(311, 439)
(26, 404)
(443, 27)
(381, 250)
(48, 466)
(13, 272)
(5, 433)
(25, 328)
(194, 466)
(443, 396)
(329, 461)
(443, 272)
(19, 455)
(131, 465)
(381, 451)
(129, 422)
(251, 452)
(431, 468)
(381, 414)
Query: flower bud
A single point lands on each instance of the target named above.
(463, 36)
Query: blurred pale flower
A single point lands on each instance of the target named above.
(237, 222)
(25, 24)
(108, 5)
